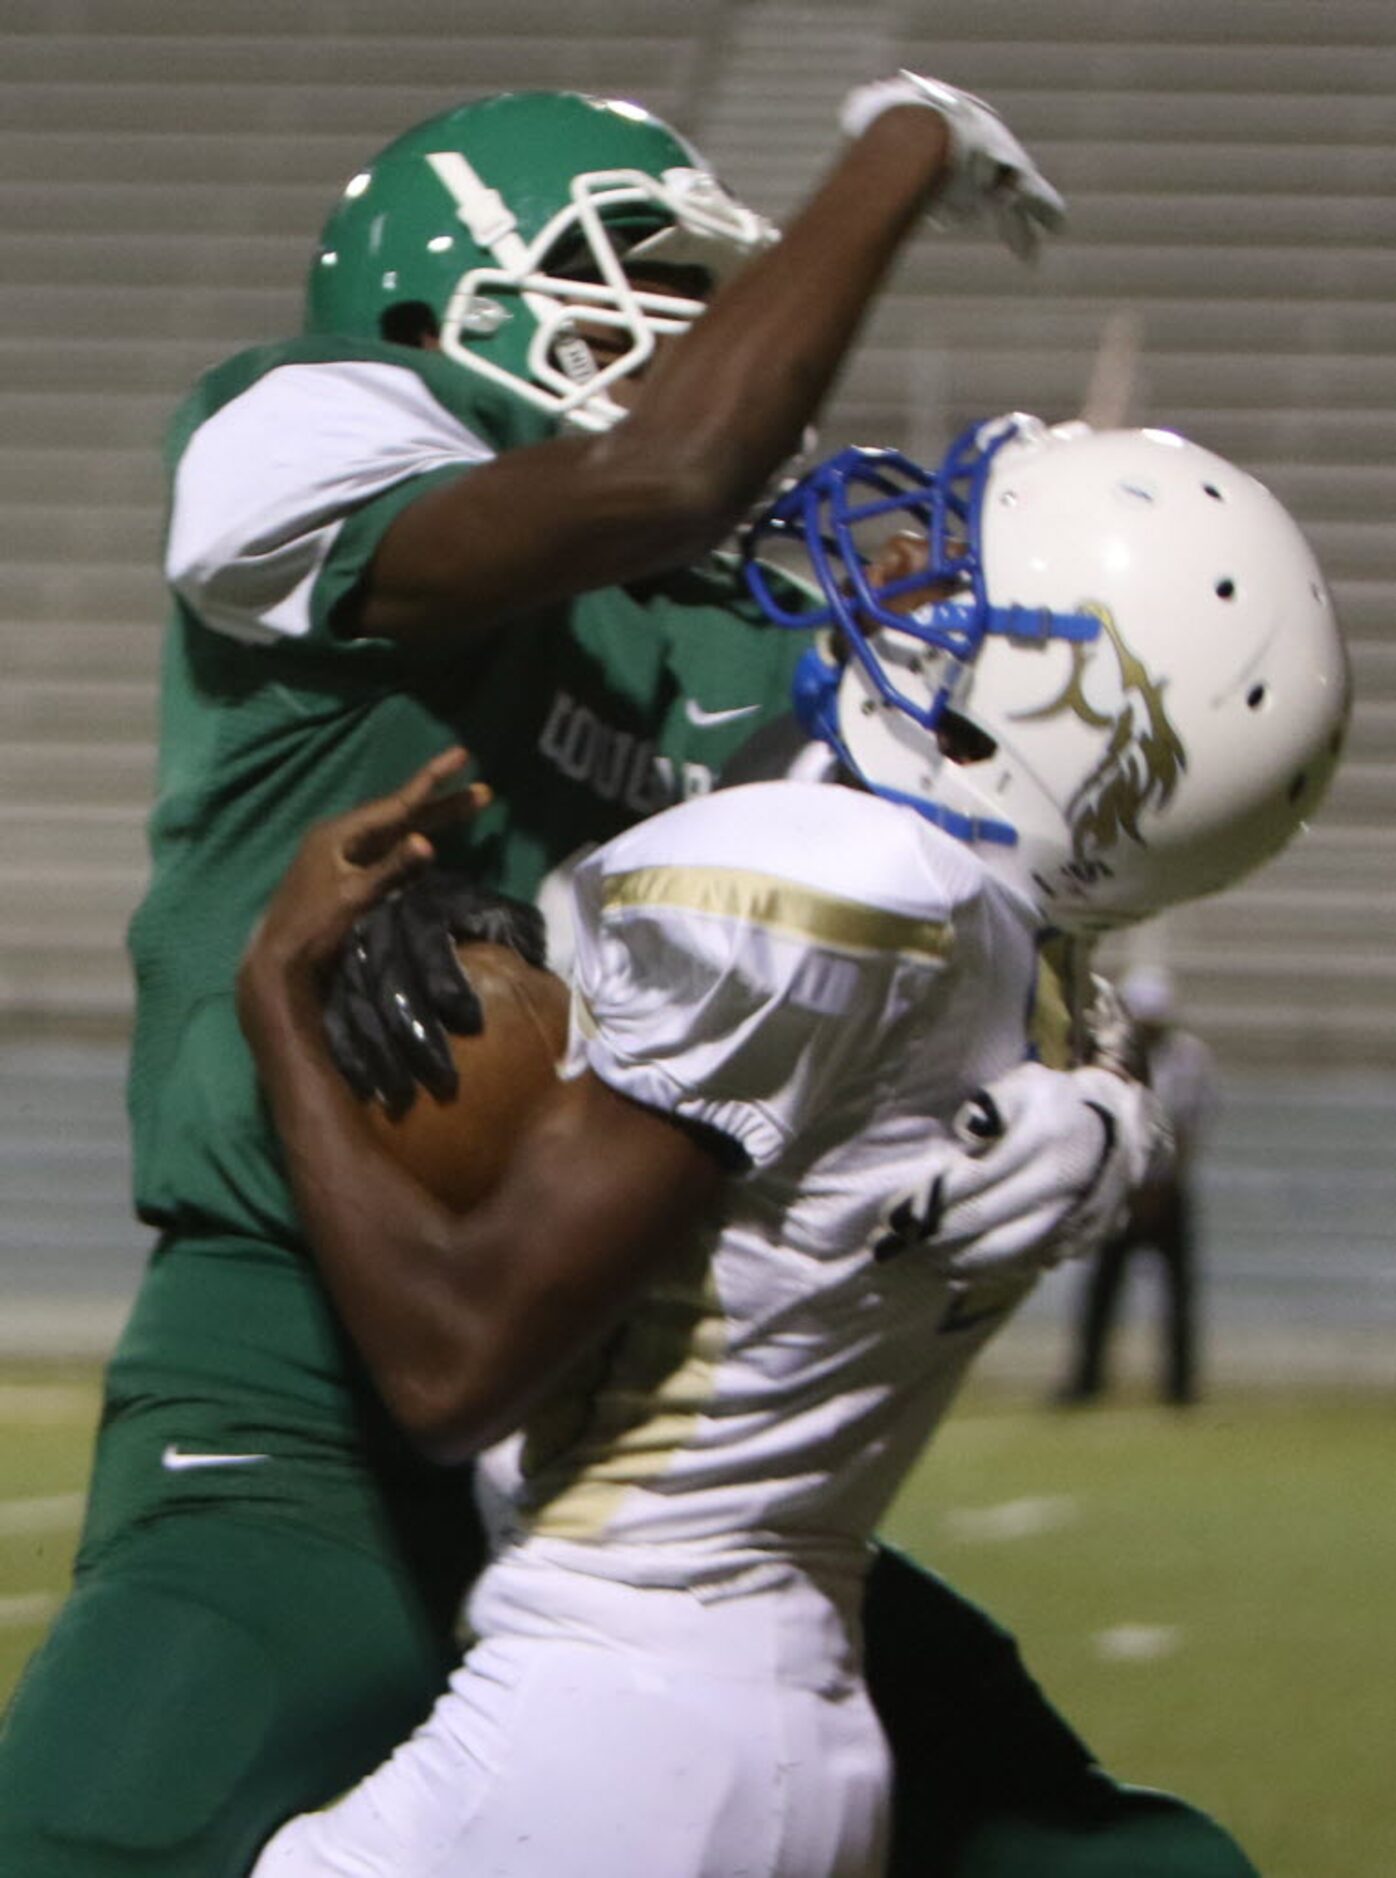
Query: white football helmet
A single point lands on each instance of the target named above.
(1116, 669)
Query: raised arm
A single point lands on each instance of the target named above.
(719, 410)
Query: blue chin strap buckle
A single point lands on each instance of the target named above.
(822, 513)
(814, 692)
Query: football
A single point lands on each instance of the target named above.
(458, 1148)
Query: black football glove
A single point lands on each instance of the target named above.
(398, 985)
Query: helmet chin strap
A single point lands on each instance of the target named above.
(815, 691)
(490, 221)
(484, 211)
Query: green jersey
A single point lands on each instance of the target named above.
(287, 466)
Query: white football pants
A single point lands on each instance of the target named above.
(604, 1731)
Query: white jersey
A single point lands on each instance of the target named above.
(823, 977)
(666, 1673)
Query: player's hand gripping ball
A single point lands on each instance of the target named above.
(400, 986)
(456, 1135)
(457, 1146)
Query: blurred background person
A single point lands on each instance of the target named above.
(1162, 1218)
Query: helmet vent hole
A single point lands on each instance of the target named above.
(1211, 489)
(1298, 786)
(1256, 696)
(1225, 588)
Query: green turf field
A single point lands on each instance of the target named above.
(1208, 1597)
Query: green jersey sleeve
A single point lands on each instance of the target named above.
(281, 491)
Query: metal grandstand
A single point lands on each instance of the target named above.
(1231, 176)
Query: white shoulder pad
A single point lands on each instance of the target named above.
(266, 483)
(738, 953)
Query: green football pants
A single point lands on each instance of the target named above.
(221, 1664)
(990, 1781)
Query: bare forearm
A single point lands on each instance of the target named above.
(736, 395)
(718, 413)
(391, 1256)
(462, 1317)
(465, 1319)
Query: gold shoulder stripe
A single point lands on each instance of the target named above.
(780, 906)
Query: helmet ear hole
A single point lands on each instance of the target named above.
(408, 323)
(962, 742)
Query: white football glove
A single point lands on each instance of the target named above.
(1040, 1170)
(989, 172)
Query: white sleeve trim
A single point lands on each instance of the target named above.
(266, 484)
(760, 1136)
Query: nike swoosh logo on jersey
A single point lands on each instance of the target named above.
(705, 720)
(175, 1461)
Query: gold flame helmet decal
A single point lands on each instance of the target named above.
(1144, 756)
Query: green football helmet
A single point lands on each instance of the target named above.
(514, 220)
